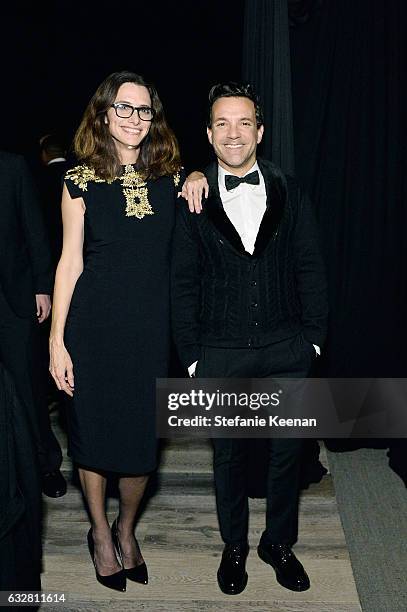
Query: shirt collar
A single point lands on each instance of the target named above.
(56, 159)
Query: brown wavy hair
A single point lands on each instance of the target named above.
(94, 146)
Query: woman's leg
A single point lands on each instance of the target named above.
(94, 489)
(131, 492)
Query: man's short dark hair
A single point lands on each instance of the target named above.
(234, 90)
(53, 145)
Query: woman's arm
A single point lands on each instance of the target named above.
(193, 190)
(69, 269)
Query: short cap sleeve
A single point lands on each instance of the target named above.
(77, 179)
(74, 190)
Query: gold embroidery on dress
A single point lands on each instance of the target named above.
(136, 194)
(177, 178)
(134, 188)
(81, 175)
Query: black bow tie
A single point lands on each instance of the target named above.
(232, 181)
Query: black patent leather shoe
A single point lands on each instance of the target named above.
(289, 571)
(232, 575)
(53, 484)
(116, 581)
(136, 574)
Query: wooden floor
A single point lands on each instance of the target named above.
(179, 537)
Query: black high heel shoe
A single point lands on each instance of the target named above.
(116, 581)
(137, 574)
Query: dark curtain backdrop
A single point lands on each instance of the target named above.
(349, 101)
(348, 66)
(349, 62)
(266, 65)
(348, 127)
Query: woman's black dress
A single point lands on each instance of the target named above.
(117, 329)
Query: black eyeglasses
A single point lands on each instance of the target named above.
(125, 111)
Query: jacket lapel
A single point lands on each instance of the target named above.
(216, 213)
(276, 197)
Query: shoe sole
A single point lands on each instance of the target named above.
(264, 556)
(233, 591)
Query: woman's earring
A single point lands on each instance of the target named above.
(106, 121)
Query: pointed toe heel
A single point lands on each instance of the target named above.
(116, 581)
(136, 574)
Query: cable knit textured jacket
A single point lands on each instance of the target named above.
(223, 296)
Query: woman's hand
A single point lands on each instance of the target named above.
(193, 189)
(61, 367)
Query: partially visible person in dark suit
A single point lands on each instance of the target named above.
(25, 286)
(49, 177)
(54, 166)
(20, 495)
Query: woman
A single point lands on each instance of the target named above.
(110, 328)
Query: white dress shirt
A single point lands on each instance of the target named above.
(245, 206)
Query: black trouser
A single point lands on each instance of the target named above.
(290, 358)
(20, 355)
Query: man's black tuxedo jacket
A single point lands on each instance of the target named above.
(223, 296)
(25, 261)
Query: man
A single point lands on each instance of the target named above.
(249, 300)
(25, 288)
